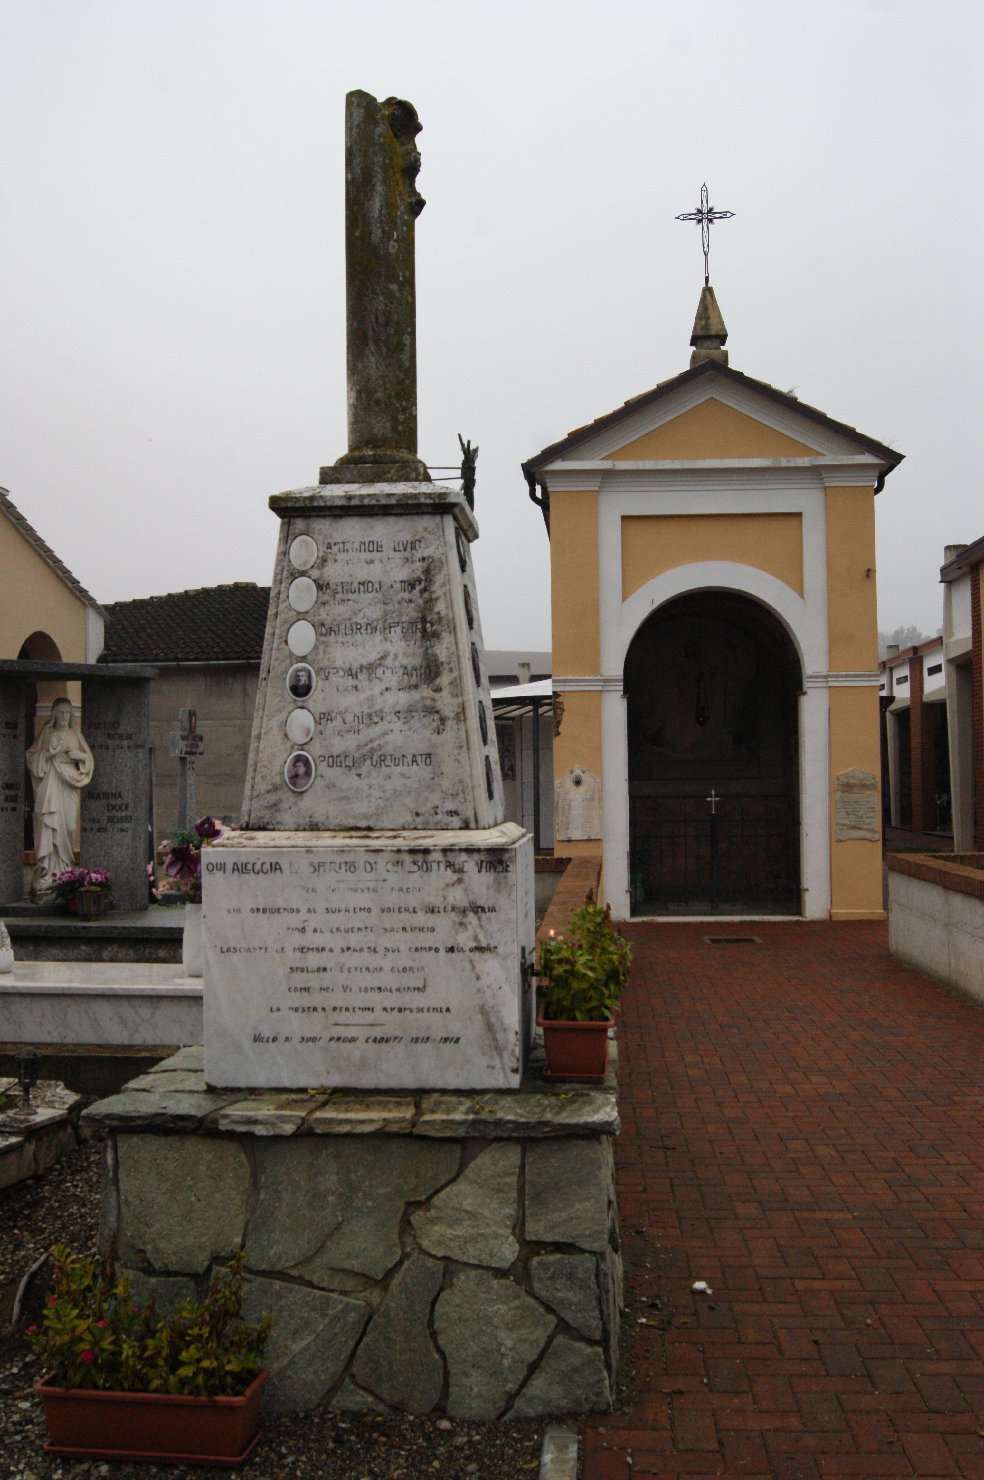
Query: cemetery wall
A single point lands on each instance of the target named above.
(223, 697)
(936, 916)
(427, 1253)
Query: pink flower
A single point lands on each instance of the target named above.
(102, 1323)
(87, 1356)
(32, 1330)
(52, 1299)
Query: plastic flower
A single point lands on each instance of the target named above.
(207, 828)
(183, 862)
(102, 1323)
(87, 1356)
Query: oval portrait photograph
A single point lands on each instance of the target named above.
(299, 771)
(300, 680)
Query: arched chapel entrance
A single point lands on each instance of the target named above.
(712, 681)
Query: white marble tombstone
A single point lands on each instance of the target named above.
(371, 926)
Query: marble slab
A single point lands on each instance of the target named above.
(94, 1002)
(373, 706)
(857, 806)
(385, 960)
(116, 804)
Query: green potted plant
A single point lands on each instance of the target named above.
(581, 976)
(123, 1383)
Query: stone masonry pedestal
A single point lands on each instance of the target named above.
(428, 1253)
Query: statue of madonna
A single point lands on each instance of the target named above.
(61, 764)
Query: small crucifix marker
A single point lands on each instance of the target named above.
(706, 215)
(713, 799)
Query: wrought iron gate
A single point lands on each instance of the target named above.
(739, 855)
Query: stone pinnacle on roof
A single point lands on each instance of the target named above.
(710, 332)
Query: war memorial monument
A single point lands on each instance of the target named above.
(431, 1226)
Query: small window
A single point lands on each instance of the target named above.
(903, 680)
(935, 668)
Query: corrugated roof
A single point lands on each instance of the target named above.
(213, 624)
(8, 507)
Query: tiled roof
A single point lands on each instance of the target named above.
(45, 551)
(215, 624)
(783, 398)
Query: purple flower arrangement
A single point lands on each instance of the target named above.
(68, 883)
(183, 860)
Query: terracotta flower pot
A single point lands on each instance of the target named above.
(575, 1051)
(158, 1428)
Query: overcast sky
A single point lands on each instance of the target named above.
(172, 255)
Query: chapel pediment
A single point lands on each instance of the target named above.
(708, 431)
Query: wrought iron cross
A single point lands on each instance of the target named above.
(713, 799)
(706, 215)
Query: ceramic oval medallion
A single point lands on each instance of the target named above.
(299, 726)
(303, 552)
(301, 638)
(299, 771)
(302, 595)
(301, 680)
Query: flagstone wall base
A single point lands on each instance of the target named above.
(431, 1253)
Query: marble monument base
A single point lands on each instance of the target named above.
(369, 960)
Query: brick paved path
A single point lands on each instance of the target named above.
(803, 1129)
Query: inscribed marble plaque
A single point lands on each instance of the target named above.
(394, 670)
(116, 806)
(857, 809)
(577, 805)
(369, 961)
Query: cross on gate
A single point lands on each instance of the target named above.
(706, 215)
(713, 799)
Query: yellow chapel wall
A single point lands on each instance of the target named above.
(852, 622)
(655, 543)
(36, 599)
(574, 587)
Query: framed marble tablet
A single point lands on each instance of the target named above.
(301, 681)
(299, 770)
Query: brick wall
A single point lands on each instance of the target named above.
(977, 641)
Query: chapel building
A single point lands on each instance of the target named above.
(715, 659)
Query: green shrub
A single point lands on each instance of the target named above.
(583, 972)
(93, 1336)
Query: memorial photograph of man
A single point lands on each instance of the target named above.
(300, 680)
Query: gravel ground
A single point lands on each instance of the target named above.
(63, 1207)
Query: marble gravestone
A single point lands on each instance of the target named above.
(370, 926)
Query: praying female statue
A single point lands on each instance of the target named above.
(61, 764)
